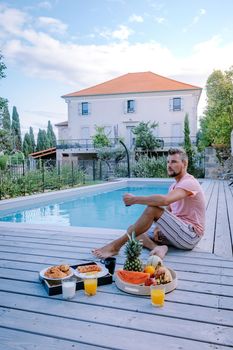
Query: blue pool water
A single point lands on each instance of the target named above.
(96, 210)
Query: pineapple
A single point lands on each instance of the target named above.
(133, 249)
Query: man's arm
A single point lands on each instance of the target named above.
(156, 200)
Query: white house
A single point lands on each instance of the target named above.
(120, 104)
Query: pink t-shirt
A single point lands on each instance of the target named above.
(191, 209)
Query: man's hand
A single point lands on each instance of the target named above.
(129, 199)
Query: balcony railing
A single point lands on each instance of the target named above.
(82, 144)
(88, 144)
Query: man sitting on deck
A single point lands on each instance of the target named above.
(181, 224)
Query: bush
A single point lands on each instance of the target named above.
(150, 167)
(3, 161)
(17, 158)
(13, 184)
(121, 170)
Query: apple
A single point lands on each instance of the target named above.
(150, 281)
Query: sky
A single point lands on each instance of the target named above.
(55, 47)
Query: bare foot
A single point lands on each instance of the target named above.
(160, 251)
(105, 251)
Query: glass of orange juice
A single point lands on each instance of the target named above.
(90, 284)
(157, 294)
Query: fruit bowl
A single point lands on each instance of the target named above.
(140, 289)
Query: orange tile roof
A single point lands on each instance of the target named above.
(43, 152)
(135, 82)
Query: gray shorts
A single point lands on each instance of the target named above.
(175, 232)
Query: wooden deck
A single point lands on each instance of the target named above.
(197, 315)
(218, 236)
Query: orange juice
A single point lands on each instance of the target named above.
(90, 285)
(157, 296)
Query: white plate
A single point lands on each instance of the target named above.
(42, 275)
(101, 273)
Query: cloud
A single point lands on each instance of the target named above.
(195, 20)
(52, 24)
(12, 20)
(45, 5)
(122, 33)
(78, 66)
(159, 20)
(157, 6)
(83, 65)
(136, 18)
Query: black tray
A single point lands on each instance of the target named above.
(55, 287)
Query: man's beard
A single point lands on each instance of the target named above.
(174, 174)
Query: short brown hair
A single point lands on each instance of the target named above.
(181, 152)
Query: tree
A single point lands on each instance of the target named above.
(188, 144)
(100, 139)
(5, 126)
(27, 145)
(51, 135)
(3, 101)
(5, 141)
(6, 119)
(32, 140)
(217, 123)
(111, 155)
(144, 136)
(42, 140)
(16, 131)
(2, 67)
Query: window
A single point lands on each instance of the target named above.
(176, 104)
(85, 108)
(130, 106)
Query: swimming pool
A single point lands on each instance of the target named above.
(101, 208)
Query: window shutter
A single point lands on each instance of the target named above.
(125, 107)
(89, 108)
(170, 104)
(181, 103)
(79, 108)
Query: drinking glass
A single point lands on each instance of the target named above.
(157, 294)
(90, 285)
(68, 288)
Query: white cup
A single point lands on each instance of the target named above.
(68, 288)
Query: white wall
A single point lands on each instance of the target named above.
(109, 110)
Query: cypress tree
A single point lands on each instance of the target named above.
(42, 140)
(27, 147)
(15, 130)
(188, 144)
(5, 126)
(39, 141)
(51, 135)
(2, 67)
(6, 119)
(32, 140)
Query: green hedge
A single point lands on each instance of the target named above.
(150, 167)
(14, 184)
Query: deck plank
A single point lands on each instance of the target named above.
(229, 203)
(207, 242)
(222, 241)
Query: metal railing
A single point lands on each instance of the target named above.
(83, 144)
(88, 144)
